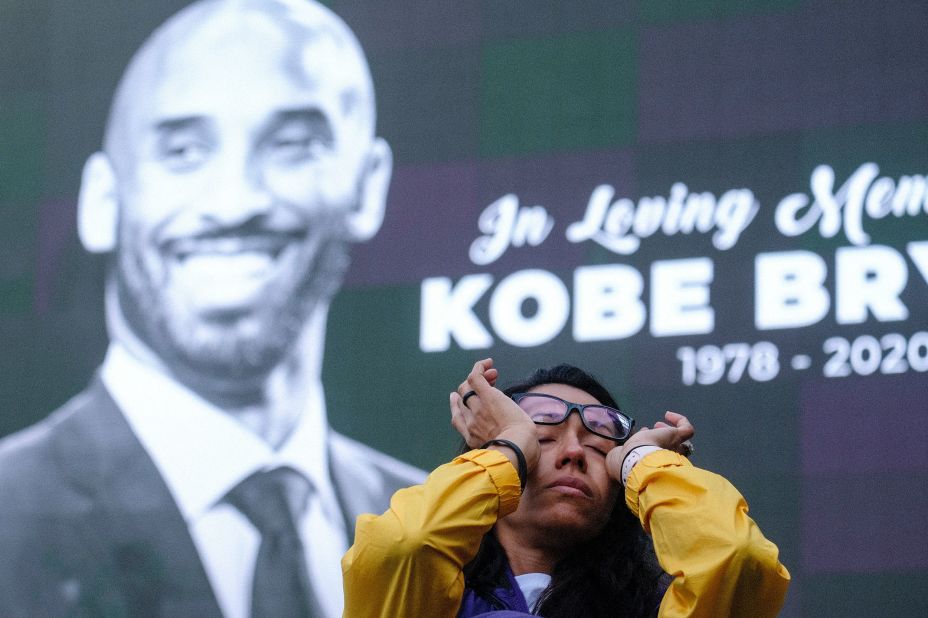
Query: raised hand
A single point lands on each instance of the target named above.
(489, 414)
(669, 434)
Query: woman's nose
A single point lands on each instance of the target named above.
(569, 442)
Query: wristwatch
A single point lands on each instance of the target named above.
(635, 455)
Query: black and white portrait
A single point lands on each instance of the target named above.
(197, 473)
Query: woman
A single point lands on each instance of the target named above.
(471, 540)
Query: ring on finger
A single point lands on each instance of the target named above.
(467, 396)
(686, 448)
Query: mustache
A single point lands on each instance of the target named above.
(253, 235)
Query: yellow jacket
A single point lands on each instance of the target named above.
(409, 561)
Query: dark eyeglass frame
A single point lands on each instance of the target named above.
(579, 408)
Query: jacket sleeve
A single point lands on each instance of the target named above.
(720, 561)
(409, 561)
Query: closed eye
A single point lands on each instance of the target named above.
(546, 417)
(597, 450)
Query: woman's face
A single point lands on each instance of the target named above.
(569, 495)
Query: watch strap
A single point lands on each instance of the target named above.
(635, 455)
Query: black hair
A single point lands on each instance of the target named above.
(615, 573)
(564, 374)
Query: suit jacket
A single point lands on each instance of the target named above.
(89, 527)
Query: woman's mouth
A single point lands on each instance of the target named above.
(571, 485)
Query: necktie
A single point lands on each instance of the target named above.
(280, 587)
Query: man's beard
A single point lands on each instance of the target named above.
(226, 354)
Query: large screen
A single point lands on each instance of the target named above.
(718, 208)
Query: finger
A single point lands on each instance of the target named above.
(659, 424)
(492, 375)
(478, 369)
(481, 367)
(461, 428)
(477, 380)
(664, 437)
(463, 387)
(459, 407)
(683, 425)
(686, 432)
(454, 404)
(457, 415)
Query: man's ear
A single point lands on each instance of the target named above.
(364, 223)
(98, 205)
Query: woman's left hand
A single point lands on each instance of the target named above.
(668, 435)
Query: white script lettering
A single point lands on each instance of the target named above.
(504, 224)
(862, 193)
(619, 226)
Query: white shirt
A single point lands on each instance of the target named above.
(532, 585)
(202, 453)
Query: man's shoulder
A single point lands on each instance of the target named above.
(365, 479)
(351, 454)
(35, 451)
(35, 439)
(40, 498)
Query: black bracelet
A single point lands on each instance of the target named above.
(520, 457)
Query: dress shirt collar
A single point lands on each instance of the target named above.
(201, 451)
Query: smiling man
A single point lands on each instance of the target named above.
(239, 164)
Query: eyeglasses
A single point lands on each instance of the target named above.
(601, 420)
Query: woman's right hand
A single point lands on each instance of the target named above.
(489, 414)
